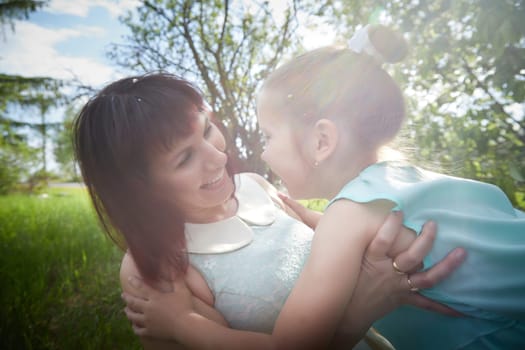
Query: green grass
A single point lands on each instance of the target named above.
(59, 274)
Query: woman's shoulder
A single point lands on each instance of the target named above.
(128, 269)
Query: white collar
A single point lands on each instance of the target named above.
(255, 208)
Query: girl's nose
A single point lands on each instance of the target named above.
(263, 156)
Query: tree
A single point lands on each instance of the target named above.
(225, 49)
(16, 158)
(64, 146)
(17, 9)
(16, 155)
(465, 81)
(38, 93)
(464, 78)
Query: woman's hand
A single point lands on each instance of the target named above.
(157, 314)
(381, 289)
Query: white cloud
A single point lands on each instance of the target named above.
(32, 52)
(81, 7)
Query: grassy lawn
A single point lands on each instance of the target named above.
(59, 276)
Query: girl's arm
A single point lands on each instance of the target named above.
(379, 289)
(290, 206)
(316, 304)
(310, 217)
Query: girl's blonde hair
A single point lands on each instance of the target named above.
(336, 83)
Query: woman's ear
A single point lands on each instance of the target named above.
(325, 136)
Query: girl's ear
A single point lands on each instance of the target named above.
(325, 137)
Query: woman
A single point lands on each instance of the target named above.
(157, 173)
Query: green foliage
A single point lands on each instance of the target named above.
(18, 159)
(17, 9)
(464, 76)
(60, 276)
(225, 49)
(27, 91)
(315, 204)
(63, 150)
(16, 156)
(464, 82)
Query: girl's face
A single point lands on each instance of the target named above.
(283, 152)
(193, 173)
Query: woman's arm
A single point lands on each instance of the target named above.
(380, 289)
(313, 309)
(129, 270)
(367, 304)
(316, 304)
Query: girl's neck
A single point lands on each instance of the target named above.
(340, 172)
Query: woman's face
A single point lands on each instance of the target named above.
(193, 173)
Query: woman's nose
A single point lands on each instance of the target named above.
(215, 157)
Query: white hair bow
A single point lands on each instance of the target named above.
(360, 43)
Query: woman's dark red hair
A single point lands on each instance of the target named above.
(115, 136)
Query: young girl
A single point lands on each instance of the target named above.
(326, 115)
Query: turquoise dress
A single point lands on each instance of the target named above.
(489, 287)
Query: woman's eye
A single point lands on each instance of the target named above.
(184, 160)
(207, 130)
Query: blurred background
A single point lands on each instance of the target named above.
(464, 82)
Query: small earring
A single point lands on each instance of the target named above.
(316, 164)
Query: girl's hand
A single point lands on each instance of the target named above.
(309, 217)
(157, 314)
(381, 289)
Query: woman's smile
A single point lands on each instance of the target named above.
(217, 182)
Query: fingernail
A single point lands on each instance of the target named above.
(460, 253)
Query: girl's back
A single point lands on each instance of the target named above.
(489, 286)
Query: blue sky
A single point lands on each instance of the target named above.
(66, 39)
(70, 38)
